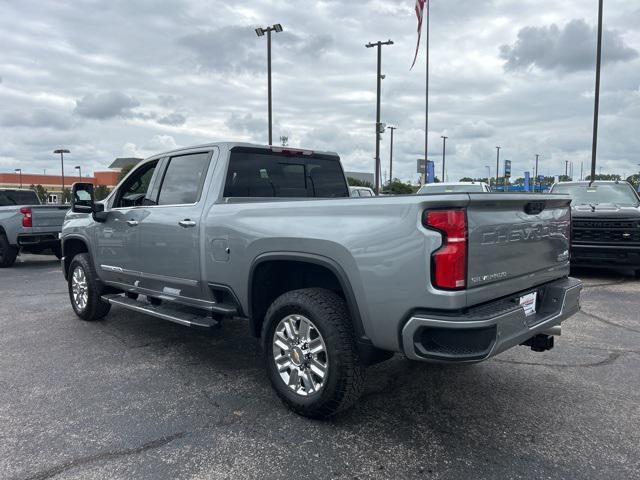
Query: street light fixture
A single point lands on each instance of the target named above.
(19, 170)
(444, 144)
(62, 151)
(77, 167)
(392, 128)
(497, 164)
(260, 32)
(379, 126)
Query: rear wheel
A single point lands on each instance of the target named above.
(310, 353)
(85, 289)
(8, 253)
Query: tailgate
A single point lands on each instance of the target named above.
(517, 236)
(48, 216)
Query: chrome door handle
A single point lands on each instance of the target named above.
(132, 223)
(186, 223)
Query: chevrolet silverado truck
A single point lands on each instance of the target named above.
(328, 283)
(27, 225)
(606, 224)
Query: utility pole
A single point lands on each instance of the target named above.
(392, 128)
(19, 170)
(535, 180)
(444, 144)
(581, 165)
(566, 166)
(260, 32)
(497, 164)
(379, 127)
(62, 151)
(594, 144)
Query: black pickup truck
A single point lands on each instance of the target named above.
(605, 224)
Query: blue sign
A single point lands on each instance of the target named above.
(431, 176)
(526, 180)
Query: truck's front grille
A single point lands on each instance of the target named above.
(606, 230)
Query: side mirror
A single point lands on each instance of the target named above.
(82, 198)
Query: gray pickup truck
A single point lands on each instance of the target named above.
(27, 225)
(330, 284)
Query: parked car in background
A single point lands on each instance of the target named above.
(27, 225)
(269, 234)
(361, 192)
(605, 225)
(454, 187)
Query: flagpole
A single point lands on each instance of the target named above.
(426, 116)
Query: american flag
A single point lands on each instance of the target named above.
(419, 14)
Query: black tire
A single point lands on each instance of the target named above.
(345, 378)
(95, 308)
(8, 253)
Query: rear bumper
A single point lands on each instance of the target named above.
(624, 256)
(485, 331)
(38, 239)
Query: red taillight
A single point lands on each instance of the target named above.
(27, 219)
(449, 262)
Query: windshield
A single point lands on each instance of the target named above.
(621, 193)
(436, 188)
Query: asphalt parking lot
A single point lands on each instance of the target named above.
(136, 397)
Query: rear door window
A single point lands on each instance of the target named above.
(18, 197)
(261, 173)
(184, 178)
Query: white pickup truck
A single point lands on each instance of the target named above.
(27, 225)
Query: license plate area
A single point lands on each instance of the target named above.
(529, 303)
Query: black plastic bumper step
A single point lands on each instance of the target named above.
(173, 313)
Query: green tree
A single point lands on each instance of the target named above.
(397, 187)
(124, 172)
(41, 192)
(466, 179)
(101, 192)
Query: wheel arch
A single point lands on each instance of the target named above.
(71, 246)
(296, 260)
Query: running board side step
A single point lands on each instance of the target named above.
(173, 313)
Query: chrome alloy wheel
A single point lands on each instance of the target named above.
(300, 355)
(79, 288)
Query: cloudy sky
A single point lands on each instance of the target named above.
(136, 77)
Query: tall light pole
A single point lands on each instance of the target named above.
(444, 146)
(62, 151)
(260, 32)
(535, 180)
(566, 167)
(594, 144)
(392, 128)
(379, 127)
(497, 164)
(77, 167)
(19, 170)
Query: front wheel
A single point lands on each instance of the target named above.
(84, 289)
(310, 352)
